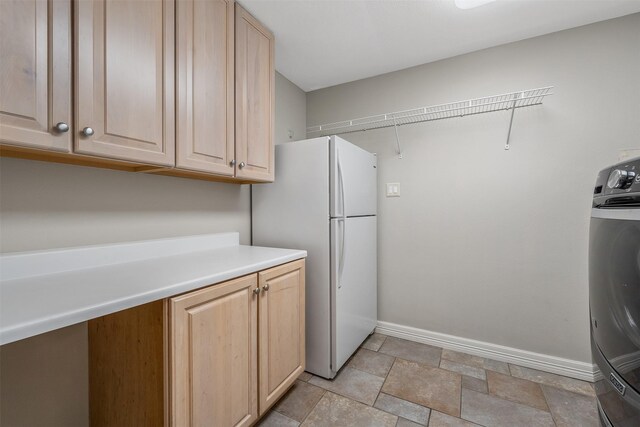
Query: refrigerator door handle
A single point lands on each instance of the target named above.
(341, 262)
(341, 179)
(341, 220)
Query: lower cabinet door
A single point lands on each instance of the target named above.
(282, 326)
(213, 353)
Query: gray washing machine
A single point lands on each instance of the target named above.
(614, 292)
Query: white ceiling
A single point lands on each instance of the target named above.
(321, 43)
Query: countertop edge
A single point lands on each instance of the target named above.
(83, 314)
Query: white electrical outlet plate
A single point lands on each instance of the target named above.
(393, 189)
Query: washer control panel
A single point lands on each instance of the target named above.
(622, 178)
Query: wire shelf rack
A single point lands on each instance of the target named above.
(487, 104)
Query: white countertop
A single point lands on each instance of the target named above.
(46, 290)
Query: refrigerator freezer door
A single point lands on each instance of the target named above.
(353, 180)
(353, 285)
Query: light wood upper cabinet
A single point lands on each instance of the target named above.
(35, 73)
(124, 80)
(281, 330)
(255, 98)
(205, 85)
(130, 92)
(214, 351)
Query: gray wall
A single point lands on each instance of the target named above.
(48, 205)
(485, 243)
(43, 379)
(291, 111)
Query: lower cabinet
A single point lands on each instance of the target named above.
(217, 356)
(214, 355)
(280, 331)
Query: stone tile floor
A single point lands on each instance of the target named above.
(394, 382)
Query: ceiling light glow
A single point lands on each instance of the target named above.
(470, 4)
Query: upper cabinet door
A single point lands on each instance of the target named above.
(35, 73)
(255, 88)
(205, 89)
(125, 80)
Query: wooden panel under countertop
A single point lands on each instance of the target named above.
(127, 366)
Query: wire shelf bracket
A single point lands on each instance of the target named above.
(504, 102)
(513, 110)
(398, 150)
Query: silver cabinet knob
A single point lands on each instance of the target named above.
(232, 163)
(87, 131)
(265, 287)
(256, 291)
(61, 127)
(241, 165)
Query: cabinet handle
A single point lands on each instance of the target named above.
(232, 163)
(265, 287)
(256, 291)
(241, 165)
(87, 131)
(61, 127)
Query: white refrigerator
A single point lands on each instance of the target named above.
(324, 200)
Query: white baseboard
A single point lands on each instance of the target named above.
(543, 362)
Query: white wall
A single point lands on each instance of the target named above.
(44, 379)
(485, 243)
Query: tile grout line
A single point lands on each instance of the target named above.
(438, 366)
(548, 406)
(385, 380)
(380, 391)
(314, 406)
(347, 397)
(461, 388)
(460, 391)
(518, 402)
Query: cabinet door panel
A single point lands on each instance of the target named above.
(214, 355)
(205, 79)
(255, 88)
(125, 79)
(282, 326)
(35, 73)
